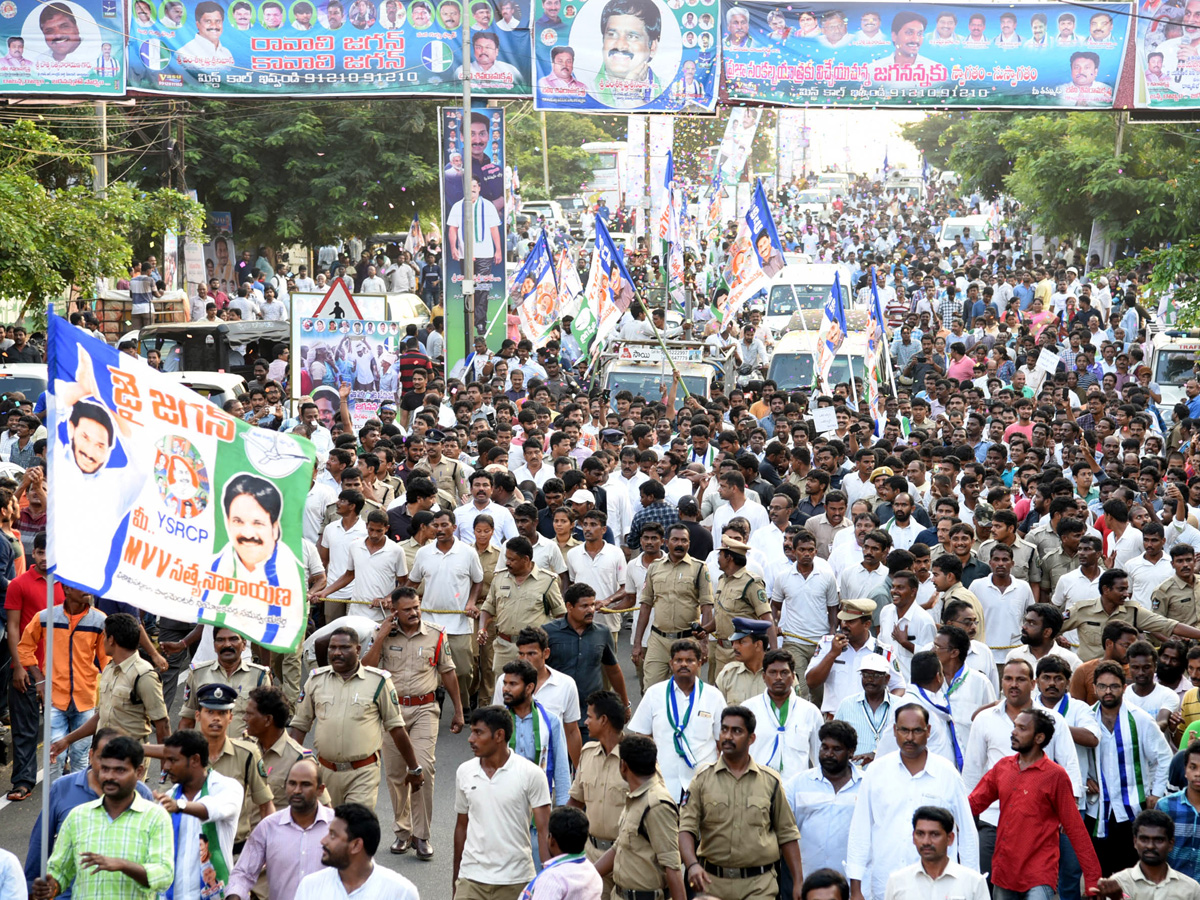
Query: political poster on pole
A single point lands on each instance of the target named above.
(632, 55)
(610, 288)
(289, 48)
(160, 499)
(62, 47)
(335, 355)
(914, 54)
(735, 145)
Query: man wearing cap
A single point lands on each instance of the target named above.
(349, 706)
(230, 669)
(834, 667)
(804, 602)
(743, 677)
(450, 475)
(739, 594)
(679, 591)
(786, 733)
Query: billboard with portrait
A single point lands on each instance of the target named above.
(219, 257)
(333, 47)
(483, 138)
(603, 55)
(61, 47)
(328, 353)
(1168, 55)
(913, 54)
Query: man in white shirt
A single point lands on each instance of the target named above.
(732, 487)
(556, 692)
(1004, 601)
(1150, 568)
(903, 528)
(482, 504)
(372, 284)
(786, 726)
(823, 798)
(599, 565)
(376, 567)
(903, 623)
(862, 578)
(832, 675)
(334, 546)
(535, 469)
(1144, 691)
(936, 875)
(804, 600)
(894, 788)
(348, 851)
(1039, 637)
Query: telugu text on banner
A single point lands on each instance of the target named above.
(62, 47)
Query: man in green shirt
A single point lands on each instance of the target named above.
(120, 847)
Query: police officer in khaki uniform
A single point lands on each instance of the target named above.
(130, 694)
(743, 678)
(450, 475)
(735, 822)
(679, 591)
(644, 862)
(417, 655)
(233, 758)
(347, 703)
(1175, 598)
(351, 480)
(229, 669)
(1088, 618)
(598, 788)
(521, 596)
(739, 594)
(1058, 563)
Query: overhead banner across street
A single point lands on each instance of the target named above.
(62, 47)
(918, 54)
(1168, 57)
(160, 499)
(336, 47)
(630, 55)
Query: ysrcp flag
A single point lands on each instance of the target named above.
(767, 246)
(831, 334)
(756, 254)
(160, 499)
(537, 292)
(609, 289)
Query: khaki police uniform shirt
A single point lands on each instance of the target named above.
(331, 513)
(825, 533)
(1088, 619)
(411, 547)
(598, 785)
(738, 822)
(416, 663)
(1027, 560)
(1056, 564)
(245, 678)
(676, 592)
(117, 707)
(739, 594)
(1176, 599)
(242, 761)
(277, 762)
(519, 605)
(737, 683)
(449, 475)
(1045, 539)
(489, 559)
(647, 838)
(345, 714)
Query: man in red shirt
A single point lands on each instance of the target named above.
(25, 598)
(1035, 799)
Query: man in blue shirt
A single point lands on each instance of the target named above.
(66, 793)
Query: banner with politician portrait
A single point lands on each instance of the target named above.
(355, 357)
(914, 54)
(1168, 55)
(62, 47)
(248, 48)
(160, 499)
(604, 55)
(536, 292)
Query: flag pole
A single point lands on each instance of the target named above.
(48, 631)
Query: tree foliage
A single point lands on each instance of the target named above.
(55, 233)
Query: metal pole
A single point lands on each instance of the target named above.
(468, 215)
(101, 158)
(545, 159)
(48, 669)
(778, 186)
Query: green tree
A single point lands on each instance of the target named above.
(935, 136)
(55, 233)
(566, 133)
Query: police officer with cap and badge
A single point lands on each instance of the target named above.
(743, 678)
(835, 664)
(739, 594)
(450, 475)
(232, 757)
(231, 669)
(349, 706)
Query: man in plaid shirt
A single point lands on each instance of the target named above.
(654, 509)
(949, 308)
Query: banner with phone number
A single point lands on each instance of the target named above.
(922, 54)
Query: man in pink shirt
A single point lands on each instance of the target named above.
(961, 367)
(567, 875)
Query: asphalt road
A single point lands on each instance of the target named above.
(432, 878)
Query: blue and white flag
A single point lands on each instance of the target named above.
(831, 334)
(756, 254)
(876, 347)
(609, 290)
(536, 288)
(160, 499)
(767, 246)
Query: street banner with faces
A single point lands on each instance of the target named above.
(62, 47)
(160, 499)
(631, 55)
(1168, 55)
(920, 54)
(289, 48)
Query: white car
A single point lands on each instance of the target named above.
(29, 379)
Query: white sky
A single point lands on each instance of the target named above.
(864, 134)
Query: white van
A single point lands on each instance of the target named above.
(803, 286)
(835, 182)
(813, 200)
(952, 230)
(795, 359)
(1172, 362)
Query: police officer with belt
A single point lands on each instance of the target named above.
(739, 595)
(598, 788)
(347, 704)
(644, 862)
(417, 655)
(736, 823)
(450, 475)
(229, 669)
(521, 596)
(1088, 618)
(679, 590)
